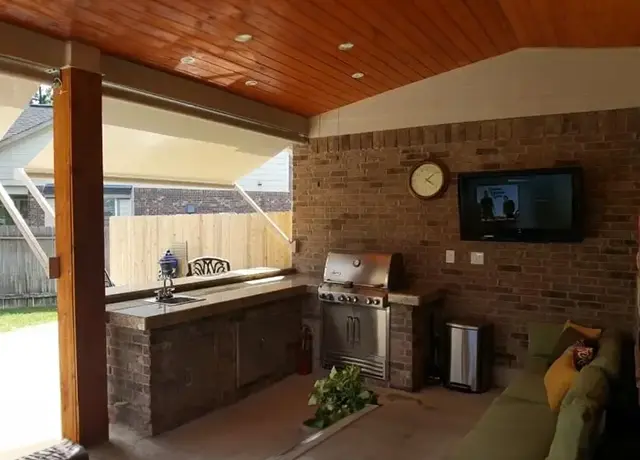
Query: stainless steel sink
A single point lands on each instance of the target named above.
(175, 300)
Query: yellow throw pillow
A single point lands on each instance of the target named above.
(586, 331)
(559, 378)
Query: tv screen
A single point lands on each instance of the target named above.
(542, 205)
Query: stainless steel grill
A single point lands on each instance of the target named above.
(355, 313)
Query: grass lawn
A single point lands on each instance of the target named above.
(15, 318)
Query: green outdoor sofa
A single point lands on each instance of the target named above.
(519, 425)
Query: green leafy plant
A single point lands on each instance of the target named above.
(339, 395)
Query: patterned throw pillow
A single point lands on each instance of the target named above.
(584, 351)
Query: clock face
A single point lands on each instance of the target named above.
(427, 180)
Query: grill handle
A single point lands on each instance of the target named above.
(356, 327)
(349, 329)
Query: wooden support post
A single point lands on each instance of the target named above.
(77, 141)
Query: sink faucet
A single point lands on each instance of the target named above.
(166, 291)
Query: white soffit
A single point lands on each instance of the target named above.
(145, 145)
(525, 82)
(15, 94)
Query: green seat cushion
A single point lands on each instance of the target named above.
(608, 357)
(511, 429)
(537, 365)
(528, 386)
(592, 384)
(543, 337)
(576, 430)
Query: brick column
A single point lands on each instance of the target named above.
(407, 347)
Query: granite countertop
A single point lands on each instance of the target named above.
(143, 315)
(416, 297)
(131, 292)
(239, 293)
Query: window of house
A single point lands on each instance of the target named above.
(22, 203)
(120, 206)
(117, 207)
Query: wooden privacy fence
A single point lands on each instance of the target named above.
(23, 281)
(20, 272)
(136, 243)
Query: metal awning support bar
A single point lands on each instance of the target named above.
(33, 243)
(20, 175)
(259, 210)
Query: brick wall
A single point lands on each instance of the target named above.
(157, 201)
(162, 201)
(350, 192)
(35, 215)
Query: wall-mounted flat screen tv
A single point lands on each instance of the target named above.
(536, 205)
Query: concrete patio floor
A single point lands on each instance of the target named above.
(29, 390)
(426, 425)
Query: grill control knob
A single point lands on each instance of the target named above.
(330, 296)
(369, 301)
(354, 299)
(342, 298)
(323, 296)
(376, 301)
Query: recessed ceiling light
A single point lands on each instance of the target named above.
(357, 75)
(188, 60)
(346, 46)
(243, 38)
(251, 83)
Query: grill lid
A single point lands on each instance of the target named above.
(381, 270)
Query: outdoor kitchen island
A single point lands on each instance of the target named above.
(168, 365)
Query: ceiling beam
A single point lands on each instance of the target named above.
(33, 55)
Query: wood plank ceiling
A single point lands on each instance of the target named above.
(294, 56)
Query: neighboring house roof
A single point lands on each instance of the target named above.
(31, 117)
(28, 135)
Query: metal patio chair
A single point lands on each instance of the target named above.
(205, 266)
(107, 280)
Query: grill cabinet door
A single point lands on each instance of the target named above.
(337, 327)
(370, 331)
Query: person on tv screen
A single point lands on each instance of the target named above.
(509, 208)
(487, 207)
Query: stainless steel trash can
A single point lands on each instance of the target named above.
(469, 356)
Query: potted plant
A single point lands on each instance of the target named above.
(342, 393)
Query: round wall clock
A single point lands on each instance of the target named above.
(428, 180)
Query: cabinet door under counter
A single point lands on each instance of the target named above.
(251, 351)
(266, 342)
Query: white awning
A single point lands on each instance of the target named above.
(15, 94)
(147, 145)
